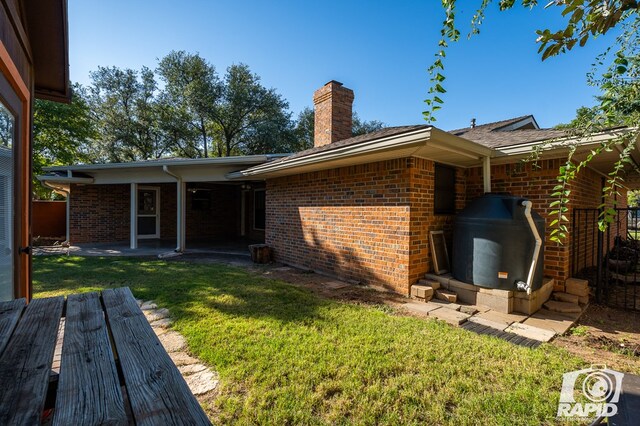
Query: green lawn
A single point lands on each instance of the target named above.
(286, 356)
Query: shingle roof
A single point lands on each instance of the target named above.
(378, 134)
(491, 135)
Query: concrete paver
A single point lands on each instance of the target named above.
(420, 307)
(507, 319)
(450, 316)
(530, 332)
(487, 322)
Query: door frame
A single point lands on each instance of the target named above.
(20, 105)
(157, 215)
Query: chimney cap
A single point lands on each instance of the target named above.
(334, 82)
(473, 123)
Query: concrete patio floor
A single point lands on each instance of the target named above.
(148, 248)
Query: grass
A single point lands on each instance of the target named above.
(287, 356)
(580, 330)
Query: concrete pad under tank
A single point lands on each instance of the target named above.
(506, 301)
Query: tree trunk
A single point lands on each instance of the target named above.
(204, 137)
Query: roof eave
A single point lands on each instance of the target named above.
(240, 160)
(63, 179)
(47, 26)
(417, 139)
(558, 143)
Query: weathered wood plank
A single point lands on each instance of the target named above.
(88, 388)
(26, 363)
(156, 389)
(9, 315)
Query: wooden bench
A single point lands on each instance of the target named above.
(113, 368)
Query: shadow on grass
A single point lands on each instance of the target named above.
(182, 287)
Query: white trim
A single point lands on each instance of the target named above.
(519, 124)
(133, 216)
(156, 189)
(560, 143)
(63, 179)
(182, 215)
(181, 191)
(486, 174)
(255, 191)
(247, 160)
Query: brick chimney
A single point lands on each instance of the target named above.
(333, 114)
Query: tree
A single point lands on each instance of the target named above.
(306, 123)
(360, 127)
(616, 74)
(124, 104)
(61, 134)
(583, 115)
(192, 90)
(244, 108)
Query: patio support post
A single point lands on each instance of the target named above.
(181, 191)
(67, 236)
(486, 174)
(134, 216)
(181, 229)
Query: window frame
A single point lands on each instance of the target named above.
(449, 188)
(155, 189)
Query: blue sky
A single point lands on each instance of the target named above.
(380, 49)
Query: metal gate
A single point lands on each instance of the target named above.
(609, 259)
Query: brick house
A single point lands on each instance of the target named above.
(359, 208)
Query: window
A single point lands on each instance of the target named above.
(148, 212)
(445, 190)
(259, 209)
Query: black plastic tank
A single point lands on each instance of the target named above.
(493, 244)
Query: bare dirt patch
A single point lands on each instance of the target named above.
(608, 336)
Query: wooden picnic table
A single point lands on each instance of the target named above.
(113, 368)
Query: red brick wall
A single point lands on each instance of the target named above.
(353, 222)
(99, 213)
(369, 222)
(168, 210)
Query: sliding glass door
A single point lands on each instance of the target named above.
(7, 142)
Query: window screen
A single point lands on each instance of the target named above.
(6, 203)
(445, 190)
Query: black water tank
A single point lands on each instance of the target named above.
(493, 244)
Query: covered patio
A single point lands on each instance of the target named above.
(159, 206)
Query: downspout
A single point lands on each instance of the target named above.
(180, 213)
(536, 251)
(67, 207)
